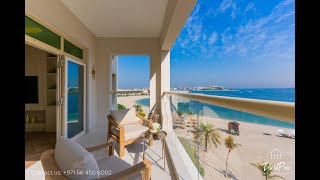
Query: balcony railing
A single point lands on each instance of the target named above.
(273, 109)
(264, 129)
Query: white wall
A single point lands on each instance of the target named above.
(165, 86)
(108, 47)
(35, 65)
(59, 17)
(98, 52)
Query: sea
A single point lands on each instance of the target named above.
(73, 107)
(274, 94)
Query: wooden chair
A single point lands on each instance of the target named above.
(50, 165)
(118, 132)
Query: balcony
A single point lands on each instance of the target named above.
(189, 158)
(133, 156)
(248, 121)
(105, 29)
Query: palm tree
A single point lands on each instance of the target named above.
(139, 109)
(209, 134)
(266, 171)
(180, 113)
(230, 144)
(120, 106)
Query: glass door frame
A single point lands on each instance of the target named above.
(64, 121)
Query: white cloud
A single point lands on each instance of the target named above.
(284, 4)
(259, 36)
(196, 9)
(195, 32)
(281, 18)
(249, 7)
(204, 37)
(213, 38)
(226, 4)
(225, 38)
(234, 13)
(262, 35)
(192, 32)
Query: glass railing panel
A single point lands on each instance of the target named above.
(224, 140)
(185, 121)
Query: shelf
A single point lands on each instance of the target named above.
(36, 110)
(51, 81)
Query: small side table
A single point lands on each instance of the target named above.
(156, 136)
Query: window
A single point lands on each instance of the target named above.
(41, 33)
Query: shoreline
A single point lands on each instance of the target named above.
(129, 101)
(146, 109)
(218, 90)
(253, 123)
(255, 147)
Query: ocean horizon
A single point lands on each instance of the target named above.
(274, 94)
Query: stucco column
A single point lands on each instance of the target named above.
(159, 83)
(165, 86)
(155, 84)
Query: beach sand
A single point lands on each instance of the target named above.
(129, 101)
(255, 147)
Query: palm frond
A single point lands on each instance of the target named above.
(207, 130)
(266, 171)
(230, 144)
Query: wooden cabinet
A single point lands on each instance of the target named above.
(50, 125)
(50, 119)
(51, 81)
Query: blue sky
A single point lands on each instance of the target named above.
(133, 72)
(236, 44)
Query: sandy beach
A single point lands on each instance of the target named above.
(255, 147)
(129, 101)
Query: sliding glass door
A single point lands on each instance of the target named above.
(74, 120)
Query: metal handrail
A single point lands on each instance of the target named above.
(118, 92)
(284, 111)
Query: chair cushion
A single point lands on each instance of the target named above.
(130, 131)
(124, 116)
(113, 164)
(72, 157)
(49, 164)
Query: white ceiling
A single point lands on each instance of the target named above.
(120, 18)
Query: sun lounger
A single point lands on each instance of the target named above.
(286, 135)
(234, 132)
